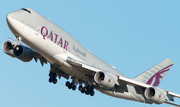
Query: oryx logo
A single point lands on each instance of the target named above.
(109, 80)
(160, 95)
(157, 76)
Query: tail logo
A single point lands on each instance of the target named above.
(157, 76)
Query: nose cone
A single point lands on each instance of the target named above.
(11, 21)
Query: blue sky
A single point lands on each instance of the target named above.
(132, 35)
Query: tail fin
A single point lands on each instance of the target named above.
(154, 75)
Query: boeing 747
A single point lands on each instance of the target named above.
(47, 42)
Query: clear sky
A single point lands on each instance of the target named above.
(132, 35)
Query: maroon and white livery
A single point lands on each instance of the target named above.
(50, 44)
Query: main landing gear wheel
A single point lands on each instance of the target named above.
(92, 93)
(71, 85)
(50, 80)
(67, 83)
(74, 87)
(52, 77)
(82, 91)
(80, 88)
(88, 90)
(54, 81)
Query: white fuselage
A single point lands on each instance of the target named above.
(56, 45)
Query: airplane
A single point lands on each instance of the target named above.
(45, 41)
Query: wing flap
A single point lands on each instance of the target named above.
(87, 69)
(167, 102)
(173, 94)
(36, 56)
(132, 82)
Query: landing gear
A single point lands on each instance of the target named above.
(50, 80)
(74, 87)
(80, 88)
(71, 85)
(82, 91)
(54, 81)
(92, 93)
(52, 77)
(67, 83)
(88, 90)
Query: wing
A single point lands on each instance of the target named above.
(169, 96)
(41, 58)
(121, 80)
(85, 68)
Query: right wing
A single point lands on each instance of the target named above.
(121, 80)
(85, 68)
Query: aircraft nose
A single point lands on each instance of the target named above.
(9, 18)
(12, 22)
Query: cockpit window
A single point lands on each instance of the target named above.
(26, 10)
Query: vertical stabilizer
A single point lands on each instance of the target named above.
(154, 75)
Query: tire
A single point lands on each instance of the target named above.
(67, 83)
(54, 81)
(80, 87)
(54, 75)
(50, 80)
(85, 89)
(74, 87)
(51, 74)
(92, 87)
(92, 93)
(87, 92)
(71, 85)
(82, 91)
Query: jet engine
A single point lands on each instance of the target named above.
(104, 79)
(19, 51)
(155, 95)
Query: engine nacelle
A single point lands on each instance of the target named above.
(155, 95)
(19, 51)
(104, 79)
(8, 48)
